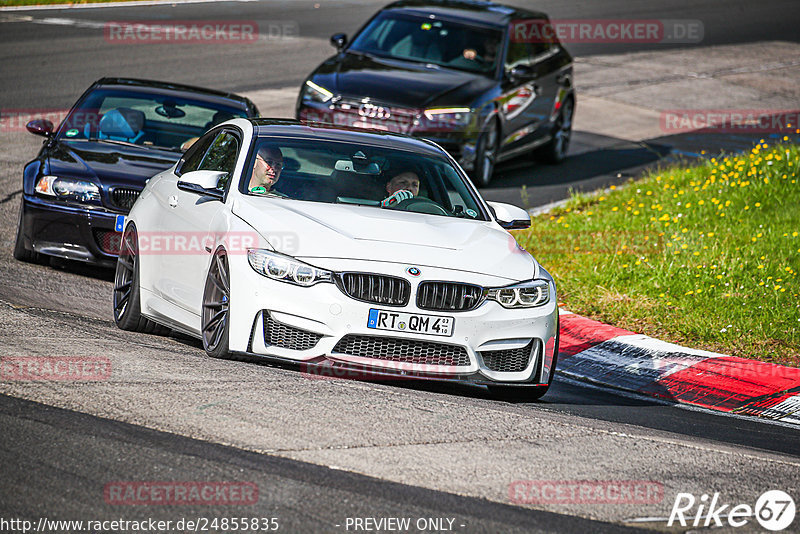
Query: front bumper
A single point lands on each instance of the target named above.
(329, 317)
(68, 231)
(459, 143)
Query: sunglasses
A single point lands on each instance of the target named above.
(274, 163)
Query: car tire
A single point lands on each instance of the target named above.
(555, 150)
(486, 155)
(528, 393)
(126, 301)
(22, 253)
(214, 327)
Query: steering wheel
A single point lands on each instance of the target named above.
(420, 205)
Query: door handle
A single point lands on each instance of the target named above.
(173, 201)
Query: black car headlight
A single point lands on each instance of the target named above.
(68, 189)
(285, 268)
(446, 118)
(530, 294)
(316, 92)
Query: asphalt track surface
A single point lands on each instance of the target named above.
(57, 458)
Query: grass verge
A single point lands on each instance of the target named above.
(705, 256)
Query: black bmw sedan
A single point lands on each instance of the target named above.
(480, 79)
(92, 168)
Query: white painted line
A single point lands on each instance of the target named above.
(133, 3)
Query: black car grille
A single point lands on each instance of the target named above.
(449, 296)
(376, 116)
(509, 360)
(402, 350)
(376, 288)
(123, 198)
(284, 336)
(108, 241)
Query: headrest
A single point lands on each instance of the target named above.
(122, 122)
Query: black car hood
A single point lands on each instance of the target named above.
(402, 83)
(108, 163)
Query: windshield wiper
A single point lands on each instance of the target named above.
(359, 53)
(127, 143)
(114, 142)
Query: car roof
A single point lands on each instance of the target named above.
(176, 89)
(320, 131)
(472, 11)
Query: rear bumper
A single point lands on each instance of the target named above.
(68, 231)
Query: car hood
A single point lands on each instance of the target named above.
(403, 83)
(315, 231)
(107, 163)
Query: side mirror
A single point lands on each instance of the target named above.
(339, 40)
(510, 217)
(521, 73)
(202, 183)
(41, 127)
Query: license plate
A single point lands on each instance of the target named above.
(417, 323)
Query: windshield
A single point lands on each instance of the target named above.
(356, 174)
(440, 42)
(144, 119)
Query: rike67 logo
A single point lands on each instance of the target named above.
(774, 510)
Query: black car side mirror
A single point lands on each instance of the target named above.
(521, 73)
(41, 127)
(339, 40)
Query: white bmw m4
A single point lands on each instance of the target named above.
(338, 249)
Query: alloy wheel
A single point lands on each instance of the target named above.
(216, 299)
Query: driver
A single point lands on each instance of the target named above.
(266, 170)
(401, 187)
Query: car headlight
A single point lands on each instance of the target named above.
(316, 92)
(68, 189)
(439, 118)
(285, 268)
(528, 294)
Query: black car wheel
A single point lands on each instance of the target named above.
(127, 311)
(555, 151)
(21, 253)
(486, 155)
(216, 301)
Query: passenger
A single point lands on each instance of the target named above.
(401, 187)
(188, 143)
(266, 170)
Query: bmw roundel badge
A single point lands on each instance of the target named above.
(413, 271)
